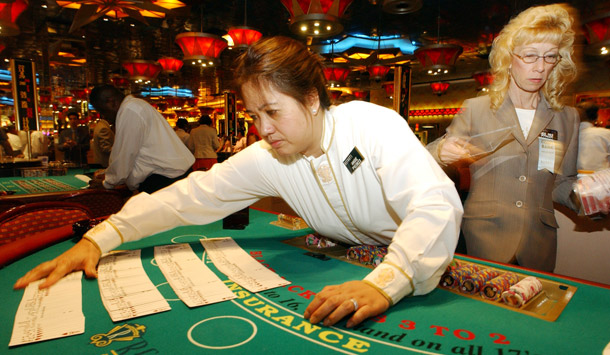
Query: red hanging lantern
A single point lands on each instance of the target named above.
(389, 89)
(206, 110)
(119, 81)
(192, 101)
(378, 71)
(65, 100)
(142, 69)
(201, 48)
(438, 58)
(9, 12)
(335, 94)
(336, 74)
(175, 102)
(439, 88)
(597, 33)
(360, 95)
(484, 78)
(80, 94)
(316, 18)
(170, 65)
(244, 36)
(44, 98)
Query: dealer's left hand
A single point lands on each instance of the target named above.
(335, 302)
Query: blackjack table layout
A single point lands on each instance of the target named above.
(44, 184)
(569, 316)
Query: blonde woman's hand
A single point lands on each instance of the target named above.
(454, 149)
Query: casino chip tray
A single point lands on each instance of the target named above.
(338, 251)
(547, 304)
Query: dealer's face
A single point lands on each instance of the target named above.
(282, 121)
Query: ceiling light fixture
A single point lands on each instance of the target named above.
(316, 18)
(335, 73)
(597, 33)
(439, 88)
(244, 36)
(400, 7)
(91, 10)
(9, 12)
(142, 70)
(389, 89)
(378, 71)
(438, 58)
(201, 48)
(484, 78)
(360, 95)
(335, 94)
(170, 65)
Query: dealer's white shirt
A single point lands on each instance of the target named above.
(398, 195)
(144, 144)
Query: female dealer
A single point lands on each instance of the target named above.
(355, 173)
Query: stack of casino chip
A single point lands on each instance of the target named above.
(474, 284)
(313, 240)
(454, 264)
(453, 278)
(367, 254)
(492, 290)
(523, 291)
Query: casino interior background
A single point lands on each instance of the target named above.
(420, 57)
(370, 42)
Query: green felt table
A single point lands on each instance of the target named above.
(45, 184)
(271, 321)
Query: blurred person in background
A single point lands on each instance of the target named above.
(205, 143)
(594, 142)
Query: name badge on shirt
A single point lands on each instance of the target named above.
(549, 134)
(353, 160)
(547, 143)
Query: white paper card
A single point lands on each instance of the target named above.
(189, 277)
(240, 267)
(53, 312)
(126, 290)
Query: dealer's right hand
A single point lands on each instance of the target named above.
(82, 256)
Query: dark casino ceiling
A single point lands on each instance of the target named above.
(94, 51)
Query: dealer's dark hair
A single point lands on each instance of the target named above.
(286, 64)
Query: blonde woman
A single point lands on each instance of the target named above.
(520, 141)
